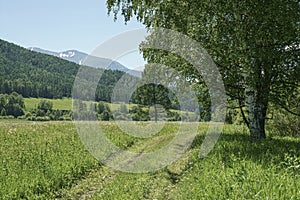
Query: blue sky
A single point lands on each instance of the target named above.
(59, 25)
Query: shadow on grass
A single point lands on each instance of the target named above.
(232, 147)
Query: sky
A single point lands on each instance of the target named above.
(59, 25)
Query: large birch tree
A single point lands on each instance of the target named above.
(255, 45)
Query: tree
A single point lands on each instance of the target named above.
(3, 112)
(13, 104)
(45, 105)
(154, 95)
(33, 74)
(100, 107)
(254, 44)
(153, 90)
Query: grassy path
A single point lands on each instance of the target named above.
(95, 181)
(89, 185)
(236, 169)
(48, 161)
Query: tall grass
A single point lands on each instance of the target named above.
(47, 160)
(235, 169)
(37, 159)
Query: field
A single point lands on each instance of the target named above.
(47, 160)
(60, 104)
(66, 104)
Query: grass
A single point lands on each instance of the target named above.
(37, 159)
(236, 169)
(60, 104)
(47, 160)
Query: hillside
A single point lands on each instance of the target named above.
(79, 58)
(34, 74)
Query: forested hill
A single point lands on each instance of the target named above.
(35, 74)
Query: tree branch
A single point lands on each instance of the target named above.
(289, 111)
(281, 104)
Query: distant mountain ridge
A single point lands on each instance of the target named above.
(79, 57)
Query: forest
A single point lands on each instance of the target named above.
(33, 74)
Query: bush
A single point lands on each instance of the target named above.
(284, 124)
(173, 116)
(7, 117)
(12, 104)
(120, 116)
(42, 118)
(137, 113)
(22, 117)
(45, 105)
(105, 116)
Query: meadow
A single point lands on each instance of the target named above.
(66, 104)
(47, 160)
(60, 104)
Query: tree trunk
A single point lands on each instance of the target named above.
(155, 113)
(154, 98)
(257, 110)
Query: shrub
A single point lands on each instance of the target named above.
(284, 124)
(45, 105)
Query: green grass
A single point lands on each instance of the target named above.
(236, 169)
(37, 159)
(60, 104)
(47, 160)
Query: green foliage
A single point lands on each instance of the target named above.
(283, 124)
(37, 160)
(256, 47)
(48, 161)
(123, 108)
(37, 75)
(122, 113)
(291, 161)
(152, 94)
(139, 113)
(45, 112)
(3, 112)
(12, 104)
(105, 116)
(59, 104)
(45, 105)
(104, 111)
(173, 116)
(100, 107)
(235, 169)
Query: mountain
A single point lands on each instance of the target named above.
(97, 62)
(34, 74)
(70, 55)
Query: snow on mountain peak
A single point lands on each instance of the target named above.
(67, 54)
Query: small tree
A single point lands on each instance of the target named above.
(45, 105)
(100, 107)
(154, 95)
(14, 105)
(123, 108)
(3, 112)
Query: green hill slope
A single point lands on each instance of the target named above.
(39, 75)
